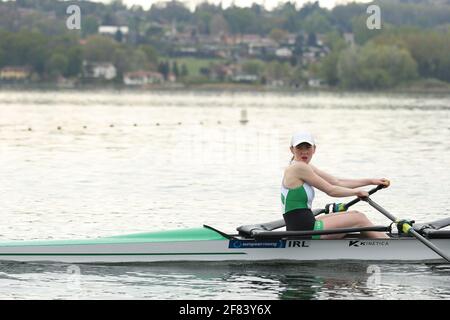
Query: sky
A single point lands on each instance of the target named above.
(242, 3)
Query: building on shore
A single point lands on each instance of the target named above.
(141, 77)
(99, 70)
(120, 33)
(15, 73)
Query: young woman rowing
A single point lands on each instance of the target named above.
(297, 193)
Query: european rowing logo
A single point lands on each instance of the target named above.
(250, 244)
(366, 243)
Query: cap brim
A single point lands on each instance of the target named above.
(302, 141)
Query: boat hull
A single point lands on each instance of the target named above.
(403, 249)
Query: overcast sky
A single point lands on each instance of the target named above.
(242, 3)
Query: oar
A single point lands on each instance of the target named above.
(407, 228)
(354, 201)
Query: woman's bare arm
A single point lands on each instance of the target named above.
(347, 183)
(305, 172)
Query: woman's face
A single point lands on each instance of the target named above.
(303, 152)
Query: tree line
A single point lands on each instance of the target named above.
(413, 42)
(394, 56)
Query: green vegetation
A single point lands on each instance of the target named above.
(373, 67)
(195, 66)
(412, 47)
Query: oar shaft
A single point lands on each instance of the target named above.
(411, 231)
(382, 210)
(356, 200)
(429, 244)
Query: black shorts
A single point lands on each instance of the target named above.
(299, 220)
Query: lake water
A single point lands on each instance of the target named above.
(89, 164)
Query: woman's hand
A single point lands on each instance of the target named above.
(360, 193)
(384, 182)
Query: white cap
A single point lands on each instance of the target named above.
(300, 137)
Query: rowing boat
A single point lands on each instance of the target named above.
(257, 242)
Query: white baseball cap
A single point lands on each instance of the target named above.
(300, 137)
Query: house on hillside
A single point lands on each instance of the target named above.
(262, 47)
(185, 51)
(349, 39)
(222, 72)
(314, 82)
(141, 77)
(171, 77)
(314, 54)
(283, 53)
(245, 78)
(99, 70)
(254, 45)
(120, 33)
(15, 73)
(290, 39)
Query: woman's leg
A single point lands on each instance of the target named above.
(350, 219)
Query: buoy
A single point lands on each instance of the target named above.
(135, 124)
(244, 119)
(157, 123)
(84, 127)
(29, 129)
(219, 122)
(59, 128)
(111, 126)
(179, 123)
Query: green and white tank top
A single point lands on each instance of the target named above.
(298, 198)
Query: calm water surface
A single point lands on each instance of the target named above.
(88, 164)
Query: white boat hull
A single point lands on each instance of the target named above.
(405, 249)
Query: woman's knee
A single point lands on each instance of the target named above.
(360, 217)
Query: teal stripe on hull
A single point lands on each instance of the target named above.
(122, 254)
(194, 234)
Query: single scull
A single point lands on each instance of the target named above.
(427, 242)
(252, 243)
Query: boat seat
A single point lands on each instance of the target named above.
(249, 229)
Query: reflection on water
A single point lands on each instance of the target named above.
(298, 281)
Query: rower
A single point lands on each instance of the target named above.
(297, 193)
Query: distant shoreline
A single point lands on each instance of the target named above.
(418, 87)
